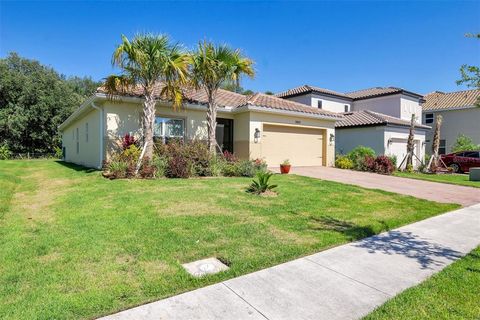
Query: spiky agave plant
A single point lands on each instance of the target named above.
(261, 185)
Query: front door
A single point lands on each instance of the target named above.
(224, 134)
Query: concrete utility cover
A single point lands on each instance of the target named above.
(203, 267)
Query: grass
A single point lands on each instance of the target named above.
(458, 179)
(75, 245)
(451, 294)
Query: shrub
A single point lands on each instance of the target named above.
(260, 165)
(117, 169)
(383, 165)
(131, 153)
(230, 169)
(127, 141)
(464, 143)
(367, 164)
(343, 162)
(393, 159)
(245, 168)
(199, 156)
(147, 169)
(262, 185)
(215, 166)
(229, 157)
(160, 164)
(178, 166)
(58, 152)
(358, 155)
(5, 153)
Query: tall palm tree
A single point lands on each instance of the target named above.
(146, 60)
(213, 66)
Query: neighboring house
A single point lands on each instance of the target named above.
(377, 117)
(460, 116)
(383, 133)
(257, 126)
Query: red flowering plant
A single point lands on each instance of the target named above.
(127, 141)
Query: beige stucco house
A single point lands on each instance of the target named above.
(377, 117)
(460, 115)
(257, 126)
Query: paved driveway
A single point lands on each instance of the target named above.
(434, 191)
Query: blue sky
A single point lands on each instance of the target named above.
(342, 46)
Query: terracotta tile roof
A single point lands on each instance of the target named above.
(441, 101)
(224, 98)
(231, 99)
(370, 118)
(374, 92)
(308, 89)
(272, 102)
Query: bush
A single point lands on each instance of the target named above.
(230, 169)
(246, 168)
(117, 169)
(147, 169)
(58, 152)
(464, 143)
(127, 141)
(383, 165)
(393, 159)
(130, 154)
(260, 165)
(262, 185)
(160, 164)
(367, 164)
(343, 162)
(199, 155)
(5, 153)
(357, 156)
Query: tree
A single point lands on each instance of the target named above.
(470, 74)
(34, 101)
(410, 144)
(464, 143)
(145, 61)
(433, 162)
(212, 67)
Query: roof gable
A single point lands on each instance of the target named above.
(444, 101)
(370, 118)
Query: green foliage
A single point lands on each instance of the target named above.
(131, 153)
(343, 162)
(358, 155)
(34, 101)
(262, 184)
(393, 159)
(58, 152)
(5, 153)
(286, 162)
(160, 164)
(464, 143)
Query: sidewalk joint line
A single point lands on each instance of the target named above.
(348, 277)
(245, 301)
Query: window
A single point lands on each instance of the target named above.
(86, 132)
(346, 108)
(319, 104)
(471, 154)
(428, 117)
(442, 148)
(78, 143)
(167, 128)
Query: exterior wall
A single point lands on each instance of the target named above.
(123, 118)
(329, 103)
(241, 135)
(383, 139)
(349, 138)
(410, 106)
(455, 122)
(257, 119)
(389, 105)
(89, 151)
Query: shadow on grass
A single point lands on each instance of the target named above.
(426, 253)
(76, 167)
(349, 229)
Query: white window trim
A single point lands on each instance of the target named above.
(163, 136)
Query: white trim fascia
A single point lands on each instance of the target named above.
(450, 109)
(408, 127)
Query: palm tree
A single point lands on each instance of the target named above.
(212, 67)
(145, 61)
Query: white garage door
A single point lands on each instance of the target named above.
(398, 148)
(302, 146)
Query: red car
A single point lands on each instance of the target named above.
(462, 161)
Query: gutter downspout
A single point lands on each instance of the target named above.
(102, 133)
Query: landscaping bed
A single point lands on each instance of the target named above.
(76, 245)
(451, 294)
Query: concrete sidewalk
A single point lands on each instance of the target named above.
(345, 282)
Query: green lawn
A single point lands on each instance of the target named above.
(453, 293)
(460, 179)
(75, 245)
